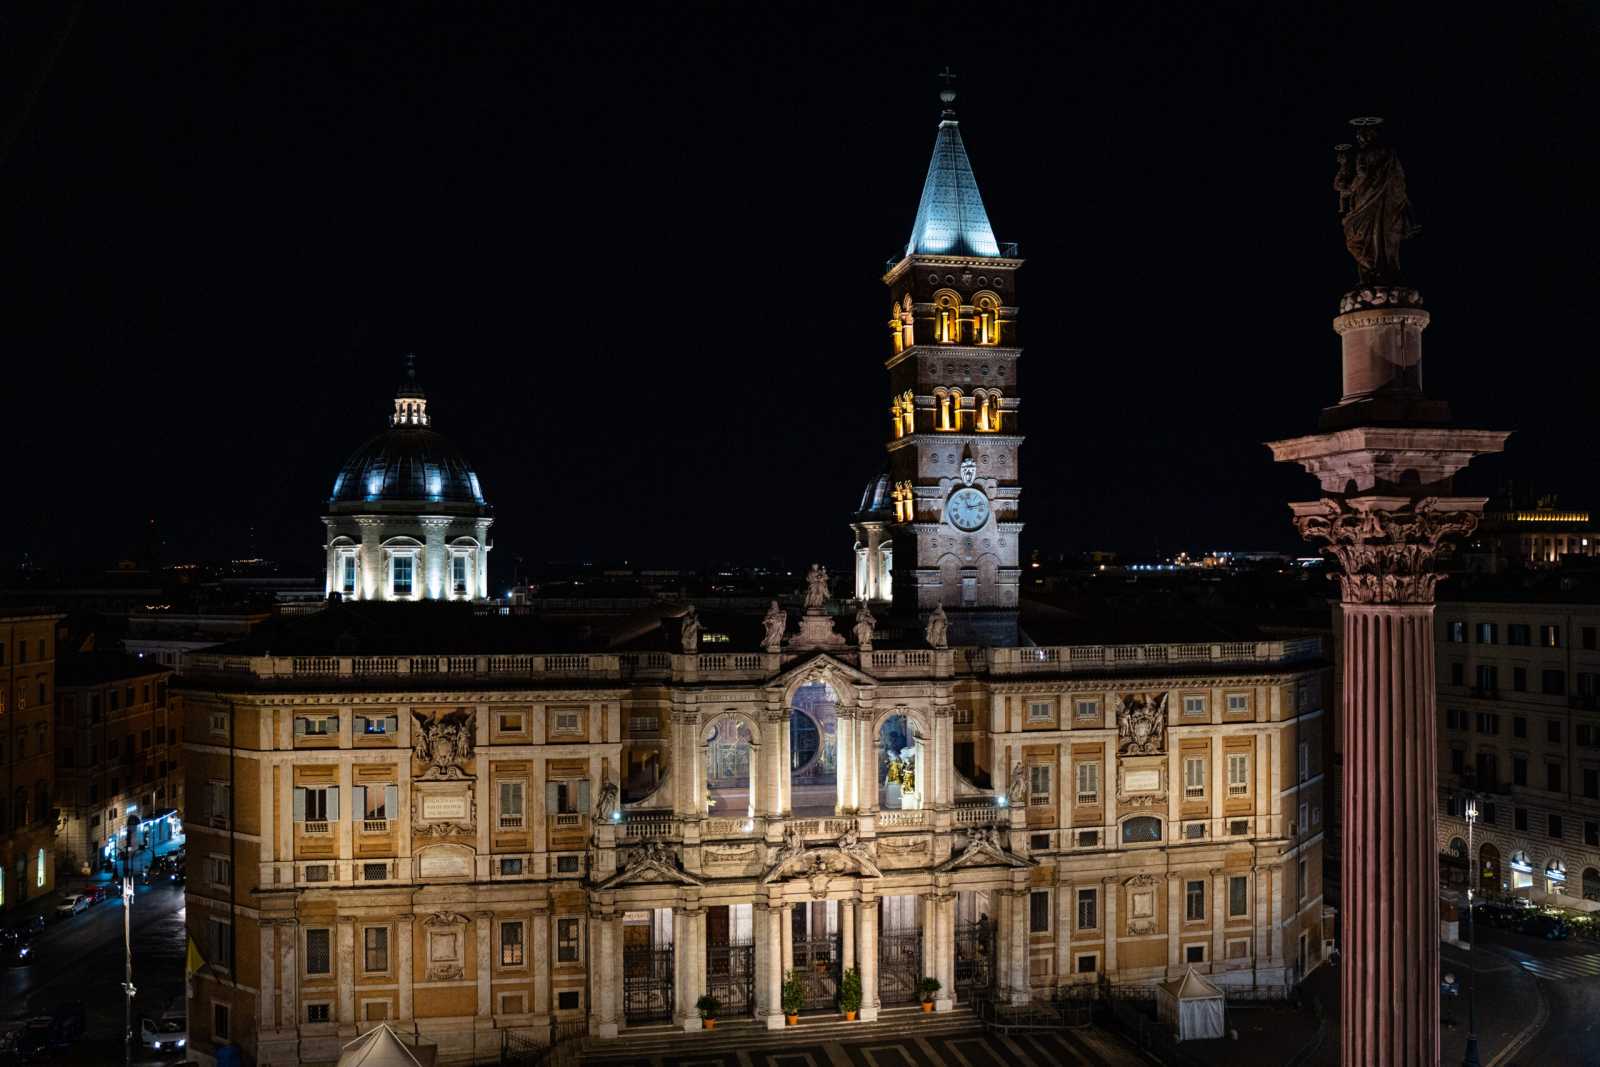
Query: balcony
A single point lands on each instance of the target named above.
(567, 821)
(374, 826)
(890, 821)
(511, 822)
(315, 828)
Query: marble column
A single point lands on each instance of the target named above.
(787, 934)
(769, 965)
(1021, 982)
(433, 569)
(405, 934)
(372, 585)
(867, 950)
(688, 960)
(943, 930)
(605, 971)
(847, 932)
(1385, 459)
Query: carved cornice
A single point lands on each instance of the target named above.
(1387, 555)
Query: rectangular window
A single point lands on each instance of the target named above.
(1039, 912)
(317, 1013)
(1486, 812)
(219, 1021)
(220, 869)
(1194, 901)
(1549, 636)
(1088, 783)
(511, 722)
(567, 941)
(1591, 833)
(374, 872)
(1238, 774)
(1519, 770)
(1089, 839)
(1488, 723)
(1238, 896)
(1194, 705)
(1552, 777)
(1589, 638)
(511, 944)
(1305, 816)
(316, 805)
(1591, 783)
(1458, 673)
(1238, 702)
(375, 725)
(349, 578)
(1239, 949)
(1519, 633)
(1488, 633)
(510, 867)
(319, 957)
(1088, 909)
(1553, 828)
(1519, 679)
(1455, 632)
(1554, 682)
(375, 949)
(1194, 953)
(1038, 785)
(1488, 678)
(316, 872)
(1088, 964)
(567, 864)
(511, 814)
(1041, 711)
(458, 575)
(1301, 882)
(1305, 760)
(1194, 777)
(1519, 726)
(1086, 709)
(569, 1000)
(377, 802)
(222, 944)
(1519, 818)
(400, 570)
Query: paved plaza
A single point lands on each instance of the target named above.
(1088, 1047)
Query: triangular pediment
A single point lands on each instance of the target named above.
(984, 851)
(821, 665)
(650, 865)
(825, 860)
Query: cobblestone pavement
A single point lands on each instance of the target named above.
(1075, 1048)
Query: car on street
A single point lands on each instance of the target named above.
(170, 1033)
(33, 924)
(71, 904)
(1494, 913)
(44, 1035)
(1549, 927)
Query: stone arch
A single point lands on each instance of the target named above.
(813, 736)
(1140, 829)
(1555, 875)
(1457, 847)
(950, 580)
(901, 770)
(947, 316)
(730, 798)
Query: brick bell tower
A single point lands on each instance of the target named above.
(954, 430)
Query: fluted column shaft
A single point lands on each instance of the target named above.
(1390, 976)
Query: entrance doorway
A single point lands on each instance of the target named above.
(975, 938)
(899, 951)
(730, 958)
(647, 966)
(1488, 869)
(818, 955)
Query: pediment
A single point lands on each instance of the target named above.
(828, 860)
(822, 665)
(983, 850)
(652, 864)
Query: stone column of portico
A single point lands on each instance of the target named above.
(347, 970)
(1385, 460)
(605, 971)
(867, 950)
(371, 557)
(847, 932)
(786, 936)
(943, 929)
(769, 965)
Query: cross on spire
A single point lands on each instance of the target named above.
(948, 93)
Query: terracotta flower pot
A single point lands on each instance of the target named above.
(709, 1024)
(927, 1005)
(793, 1020)
(849, 1016)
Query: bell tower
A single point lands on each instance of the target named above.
(954, 431)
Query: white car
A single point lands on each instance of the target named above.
(71, 905)
(170, 1033)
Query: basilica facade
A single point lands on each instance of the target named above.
(476, 825)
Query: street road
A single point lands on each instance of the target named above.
(81, 959)
(1569, 977)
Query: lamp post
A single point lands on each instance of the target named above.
(1470, 1059)
(127, 942)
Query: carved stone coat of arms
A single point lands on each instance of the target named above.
(1142, 725)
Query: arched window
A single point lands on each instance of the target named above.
(955, 409)
(994, 411)
(987, 319)
(947, 317)
(941, 398)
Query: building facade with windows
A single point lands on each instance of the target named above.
(1519, 729)
(27, 754)
(118, 742)
(443, 841)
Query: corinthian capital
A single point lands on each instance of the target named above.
(1387, 547)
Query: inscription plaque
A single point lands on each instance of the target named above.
(1148, 781)
(445, 807)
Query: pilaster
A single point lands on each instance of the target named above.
(347, 969)
(405, 932)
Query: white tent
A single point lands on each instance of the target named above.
(382, 1047)
(1193, 1006)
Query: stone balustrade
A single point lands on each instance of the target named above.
(902, 820)
(1065, 659)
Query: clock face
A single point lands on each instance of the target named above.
(968, 509)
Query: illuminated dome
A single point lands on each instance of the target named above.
(407, 519)
(876, 502)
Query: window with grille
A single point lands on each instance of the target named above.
(567, 722)
(1194, 777)
(567, 941)
(1041, 711)
(1086, 709)
(1238, 774)
(511, 944)
(316, 872)
(1194, 705)
(222, 944)
(1238, 702)
(1038, 785)
(567, 865)
(317, 1013)
(1194, 901)
(400, 575)
(1088, 783)
(219, 1021)
(319, 959)
(375, 948)
(510, 866)
(374, 872)
(1088, 909)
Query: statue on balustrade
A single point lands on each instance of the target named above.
(690, 632)
(816, 588)
(775, 622)
(864, 627)
(938, 628)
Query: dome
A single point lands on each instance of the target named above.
(875, 500)
(409, 463)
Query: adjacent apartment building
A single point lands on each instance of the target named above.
(27, 754)
(1519, 729)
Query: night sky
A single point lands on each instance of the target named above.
(637, 253)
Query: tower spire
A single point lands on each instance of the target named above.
(410, 403)
(951, 220)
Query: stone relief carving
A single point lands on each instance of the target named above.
(969, 471)
(1387, 556)
(1141, 926)
(444, 742)
(846, 855)
(1142, 725)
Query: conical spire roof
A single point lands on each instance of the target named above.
(951, 220)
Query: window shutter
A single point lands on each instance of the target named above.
(391, 724)
(506, 799)
(358, 802)
(391, 802)
(552, 803)
(361, 725)
(583, 797)
(333, 802)
(299, 804)
(299, 726)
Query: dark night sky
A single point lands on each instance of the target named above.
(637, 252)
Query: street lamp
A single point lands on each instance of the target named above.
(1470, 1059)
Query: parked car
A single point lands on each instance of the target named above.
(33, 924)
(1493, 913)
(166, 1034)
(71, 905)
(100, 891)
(1549, 927)
(45, 1034)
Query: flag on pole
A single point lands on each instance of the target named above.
(195, 962)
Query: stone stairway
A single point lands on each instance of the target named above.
(731, 1035)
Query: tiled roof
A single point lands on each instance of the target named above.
(951, 219)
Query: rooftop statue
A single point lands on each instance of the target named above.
(689, 634)
(816, 587)
(774, 623)
(938, 628)
(1373, 205)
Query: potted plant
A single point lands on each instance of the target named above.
(929, 987)
(794, 996)
(850, 994)
(709, 1008)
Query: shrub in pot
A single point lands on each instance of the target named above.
(850, 994)
(709, 1008)
(929, 987)
(794, 996)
